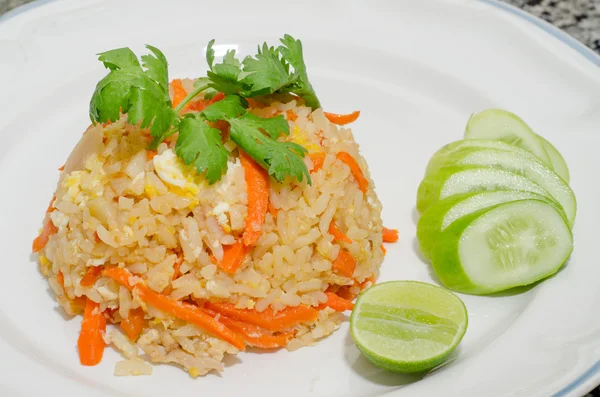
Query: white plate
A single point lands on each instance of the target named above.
(416, 70)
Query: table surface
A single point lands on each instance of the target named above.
(579, 18)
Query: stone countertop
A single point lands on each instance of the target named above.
(579, 18)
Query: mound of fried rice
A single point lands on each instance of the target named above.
(112, 208)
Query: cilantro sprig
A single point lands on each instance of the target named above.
(141, 91)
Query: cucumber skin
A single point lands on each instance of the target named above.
(446, 262)
(430, 187)
(558, 162)
(542, 155)
(447, 152)
(430, 222)
(454, 158)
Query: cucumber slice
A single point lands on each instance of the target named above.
(463, 179)
(440, 158)
(558, 162)
(505, 126)
(525, 164)
(502, 247)
(443, 213)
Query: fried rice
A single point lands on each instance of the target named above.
(119, 205)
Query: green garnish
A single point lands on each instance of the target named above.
(142, 92)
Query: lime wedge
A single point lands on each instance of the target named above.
(408, 326)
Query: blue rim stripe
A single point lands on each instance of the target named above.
(557, 33)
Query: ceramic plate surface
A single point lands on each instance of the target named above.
(416, 70)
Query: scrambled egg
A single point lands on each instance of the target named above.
(182, 179)
(301, 138)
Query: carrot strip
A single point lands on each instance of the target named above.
(363, 183)
(134, 323)
(253, 103)
(218, 96)
(61, 280)
(268, 319)
(291, 115)
(90, 277)
(90, 343)
(40, 241)
(48, 230)
(150, 154)
(342, 119)
(197, 106)
(256, 336)
(384, 250)
(179, 92)
(233, 257)
(181, 310)
(177, 268)
(317, 158)
(338, 234)
(344, 293)
(257, 185)
(390, 235)
(62, 168)
(344, 263)
(337, 303)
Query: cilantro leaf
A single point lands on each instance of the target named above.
(201, 145)
(229, 107)
(266, 73)
(140, 92)
(225, 78)
(280, 159)
(291, 51)
(210, 53)
(230, 58)
(119, 58)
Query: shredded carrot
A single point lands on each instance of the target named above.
(337, 303)
(256, 336)
(179, 92)
(91, 343)
(257, 185)
(390, 235)
(384, 250)
(90, 277)
(181, 310)
(291, 115)
(233, 257)
(317, 158)
(267, 319)
(363, 183)
(62, 168)
(338, 234)
(272, 210)
(253, 103)
(345, 293)
(61, 280)
(341, 119)
(218, 96)
(197, 106)
(134, 323)
(344, 264)
(150, 154)
(97, 237)
(40, 241)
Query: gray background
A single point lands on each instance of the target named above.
(580, 18)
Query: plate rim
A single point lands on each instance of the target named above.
(590, 378)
